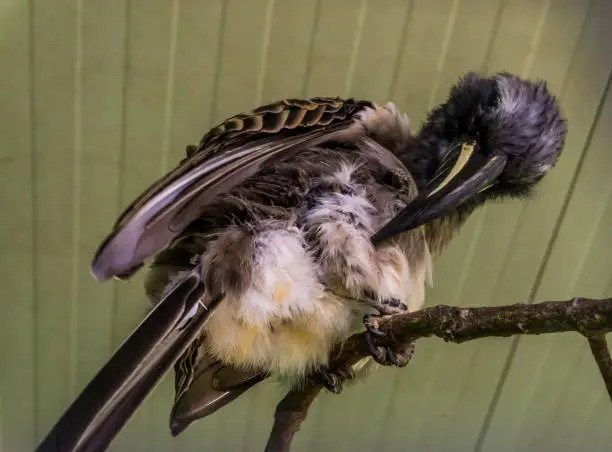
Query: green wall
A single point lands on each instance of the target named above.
(99, 97)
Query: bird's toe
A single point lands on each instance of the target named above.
(401, 355)
(372, 324)
(389, 355)
(390, 306)
(333, 380)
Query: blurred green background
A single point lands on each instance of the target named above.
(98, 98)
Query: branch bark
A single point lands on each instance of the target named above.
(289, 416)
(589, 317)
(601, 353)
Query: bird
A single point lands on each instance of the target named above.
(292, 226)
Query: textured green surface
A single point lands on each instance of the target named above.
(98, 98)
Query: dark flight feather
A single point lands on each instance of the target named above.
(226, 156)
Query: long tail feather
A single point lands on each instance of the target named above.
(109, 400)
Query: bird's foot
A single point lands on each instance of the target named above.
(398, 355)
(333, 381)
(386, 306)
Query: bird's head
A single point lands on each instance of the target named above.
(493, 137)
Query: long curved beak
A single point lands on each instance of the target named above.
(109, 400)
(471, 173)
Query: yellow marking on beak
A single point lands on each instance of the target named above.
(280, 292)
(467, 149)
(495, 157)
(485, 188)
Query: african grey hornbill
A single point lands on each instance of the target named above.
(288, 228)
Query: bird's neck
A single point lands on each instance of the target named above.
(420, 159)
(442, 230)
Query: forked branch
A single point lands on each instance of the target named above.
(601, 353)
(591, 318)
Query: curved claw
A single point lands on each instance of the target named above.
(378, 353)
(402, 357)
(372, 325)
(333, 381)
(390, 356)
(398, 356)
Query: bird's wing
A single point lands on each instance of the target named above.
(226, 156)
(203, 385)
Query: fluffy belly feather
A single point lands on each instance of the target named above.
(288, 283)
(291, 346)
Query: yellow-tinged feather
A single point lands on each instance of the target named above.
(280, 291)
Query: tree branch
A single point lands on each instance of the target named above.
(601, 353)
(591, 318)
(289, 415)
